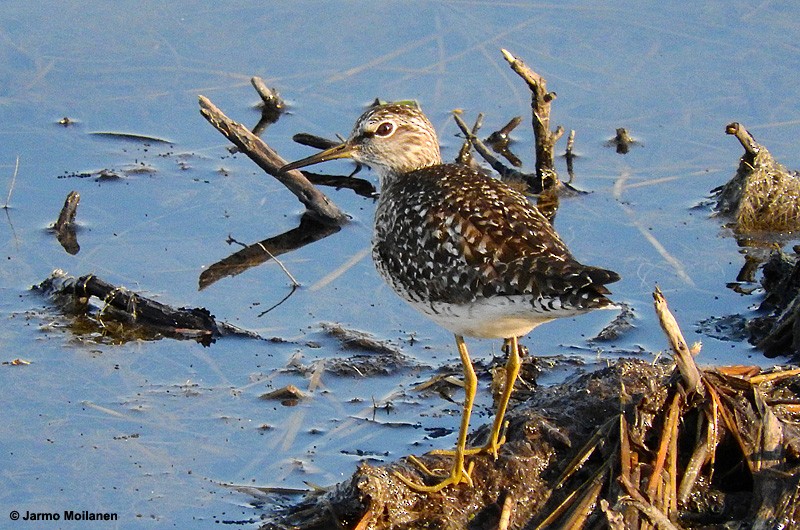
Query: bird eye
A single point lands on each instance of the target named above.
(384, 129)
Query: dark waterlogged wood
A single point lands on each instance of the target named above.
(272, 105)
(65, 225)
(123, 305)
(507, 174)
(500, 141)
(267, 159)
(309, 231)
(622, 141)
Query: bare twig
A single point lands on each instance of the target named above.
(683, 356)
(268, 160)
(500, 140)
(745, 138)
(13, 182)
(506, 173)
(545, 139)
(269, 96)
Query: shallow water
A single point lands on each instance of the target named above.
(152, 430)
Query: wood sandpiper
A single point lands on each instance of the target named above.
(466, 250)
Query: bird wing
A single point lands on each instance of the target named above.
(461, 235)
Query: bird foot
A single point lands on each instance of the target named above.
(492, 447)
(458, 474)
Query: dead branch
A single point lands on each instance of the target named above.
(545, 139)
(506, 173)
(749, 143)
(267, 159)
(500, 141)
(683, 356)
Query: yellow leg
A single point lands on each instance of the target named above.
(458, 473)
(512, 371)
(495, 441)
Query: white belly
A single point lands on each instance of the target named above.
(498, 317)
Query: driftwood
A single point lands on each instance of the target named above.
(126, 315)
(500, 141)
(511, 176)
(317, 203)
(635, 445)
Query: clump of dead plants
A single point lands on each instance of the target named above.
(763, 195)
(636, 445)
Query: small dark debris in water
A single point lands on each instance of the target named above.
(66, 121)
(729, 328)
(438, 432)
(353, 339)
(16, 362)
(64, 227)
(126, 315)
(362, 453)
(622, 141)
(131, 137)
(622, 323)
(289, 395)
(126, 437)
(763, 195)
(570, 156)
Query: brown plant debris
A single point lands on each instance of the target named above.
(763, 195)
(289, 395)
(634, 445)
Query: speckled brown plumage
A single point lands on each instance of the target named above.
(450, 234)
(466, 250)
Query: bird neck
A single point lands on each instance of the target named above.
(402, 165)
